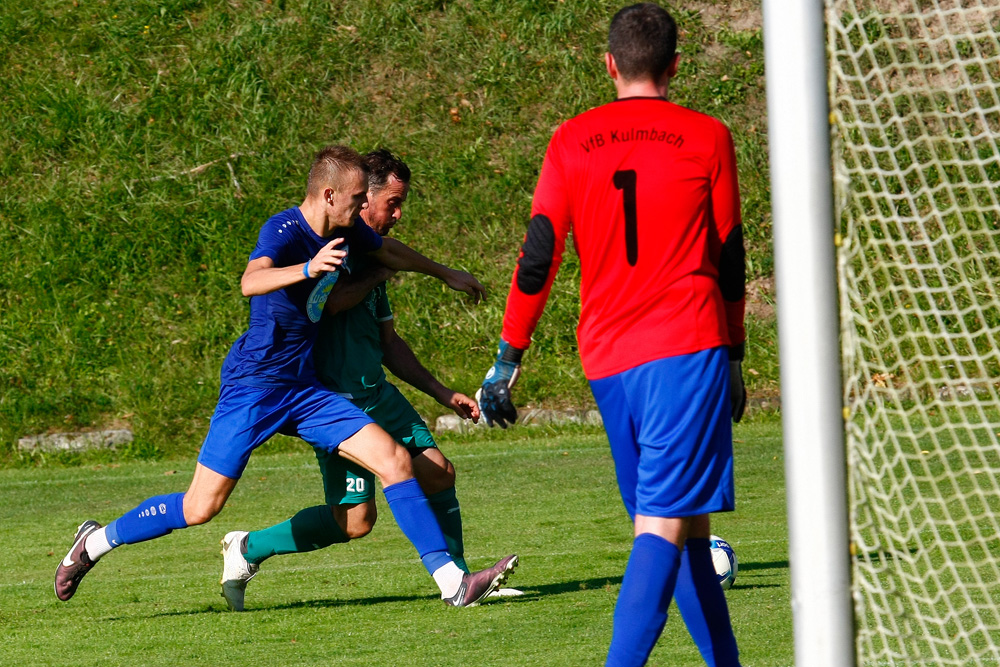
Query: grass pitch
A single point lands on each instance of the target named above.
(549, 495)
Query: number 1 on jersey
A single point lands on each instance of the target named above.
(625, 181)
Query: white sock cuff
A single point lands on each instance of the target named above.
(97, 543)
(448, 578)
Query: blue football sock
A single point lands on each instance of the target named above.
(154, 517)
(641, 611)
(703, 606)
(413, 514)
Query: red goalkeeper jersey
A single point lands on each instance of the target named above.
(649, 190)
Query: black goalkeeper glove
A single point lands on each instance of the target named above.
(737, 390)
(494, 396)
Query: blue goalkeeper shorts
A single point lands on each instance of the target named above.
(246, 417)
(671, 437)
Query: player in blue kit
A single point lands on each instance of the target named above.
(356, 338)
(269, 386)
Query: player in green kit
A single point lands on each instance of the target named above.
(356, 339)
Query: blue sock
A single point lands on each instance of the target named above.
(154, 517)
(413, 514)
(703, 606)
(641, 611)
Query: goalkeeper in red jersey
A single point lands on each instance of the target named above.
(649, 190)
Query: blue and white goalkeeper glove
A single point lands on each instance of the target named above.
(494, 396)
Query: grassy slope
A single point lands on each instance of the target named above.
(119, 294)
(549, 495)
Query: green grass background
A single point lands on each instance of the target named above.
(547, 494)
(143, 143)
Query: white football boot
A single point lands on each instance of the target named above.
(506, 593)
(236, 571)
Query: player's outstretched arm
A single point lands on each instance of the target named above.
(399, 256)
(398, 357)
(262, 276)
(495, 402)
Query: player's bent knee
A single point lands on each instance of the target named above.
(399, 468)
(434, 472)
(197, 514)
(394, 465)
(360, 520)
(436, 479)
(207, 495)
(359, 529)
(375, 449)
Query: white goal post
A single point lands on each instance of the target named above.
(884, 119)
(808, 329)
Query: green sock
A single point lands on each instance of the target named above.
(449, 517)
(312, 528)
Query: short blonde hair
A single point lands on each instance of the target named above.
(329, 167)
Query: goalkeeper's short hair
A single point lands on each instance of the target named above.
(643, 41)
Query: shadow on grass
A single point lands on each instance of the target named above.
(319, 603)
(749, 567)
(532, 593)
(536, 592)
(753, 587)
(780, 564)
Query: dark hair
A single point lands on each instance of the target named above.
(381, 165)
(643, 41)
(328, 166)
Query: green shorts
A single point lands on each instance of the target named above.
(347, 483)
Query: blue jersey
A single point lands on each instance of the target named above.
(277, 348)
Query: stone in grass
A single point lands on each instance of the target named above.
(75, 442)
(526, 417)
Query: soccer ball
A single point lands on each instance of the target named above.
(724, 559)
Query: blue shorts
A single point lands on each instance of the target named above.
(668, 422)
(246, 417)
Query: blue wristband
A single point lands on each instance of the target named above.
(305, 270)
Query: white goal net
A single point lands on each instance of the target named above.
(916, 121)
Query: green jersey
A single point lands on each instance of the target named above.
(348, 351)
